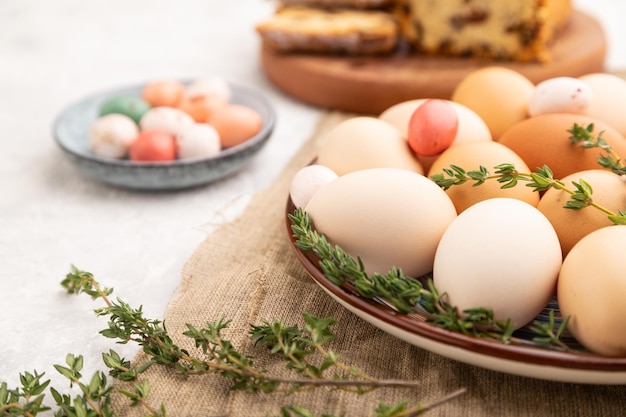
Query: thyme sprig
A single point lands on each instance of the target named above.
(404, 294)
(304, 350)
(540, 180)
(584, 137)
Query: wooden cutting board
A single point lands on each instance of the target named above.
(370, 85)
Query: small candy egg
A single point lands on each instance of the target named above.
(214, 86)
(163, 92)
(432, 127)
(111, 135)
(200, 107)
(235, 124)
(153, 146)
(131, 106)
(167, 119)
(198, 141)
(560, 95)
(308, 181)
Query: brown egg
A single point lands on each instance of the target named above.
(609, 190)
(471, 156)
(544, 140)
(499, 95)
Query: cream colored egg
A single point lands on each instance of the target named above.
(366, 142)
(592, 290)
(608, 97)
(499, 95)
(387, 216)
(501, 254)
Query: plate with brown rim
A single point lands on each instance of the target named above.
(528, 360)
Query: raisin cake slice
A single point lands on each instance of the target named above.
(342, 31)
(344, 4)
(518, 30)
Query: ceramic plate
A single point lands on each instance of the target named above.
(70, 132)
(522, 360)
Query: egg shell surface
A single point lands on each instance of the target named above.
(112, 134)
(471, 156)
(199, 140)
(560, 95)
(544, 140)
(153, 146)
(200, 108)
(387, 216)
(366, 142)
(209, 87)
(499, 95)
(307, 181)
(609, 190)
(501, 254)
(592, 290)
(235, 123)
(163, 92)
(609, 96)
(131, 106)
(471, 126)
(166, 119)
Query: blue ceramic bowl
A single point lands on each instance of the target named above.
(72, 125)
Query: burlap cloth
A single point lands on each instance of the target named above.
(246, 272)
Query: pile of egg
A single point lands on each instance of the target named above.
(171, 120)
(507, 249)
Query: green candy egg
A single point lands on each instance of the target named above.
(131, 106)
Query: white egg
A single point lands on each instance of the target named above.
(308, 181)
(560, 95)
(386, 216)
(111, 135)
(501, 254)
(165, 119)
(199, 140)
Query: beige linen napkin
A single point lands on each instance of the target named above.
(246, 272)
